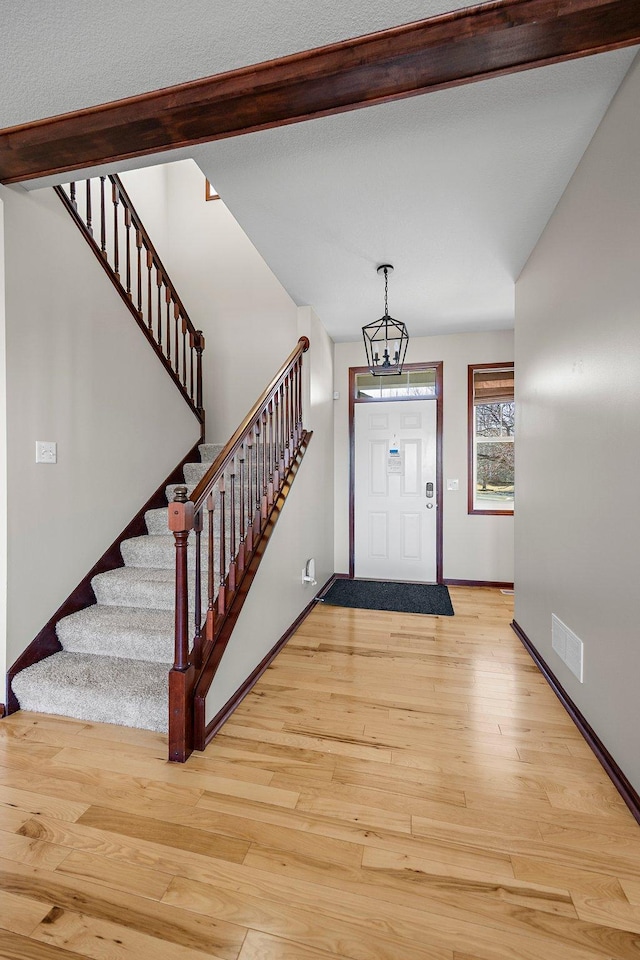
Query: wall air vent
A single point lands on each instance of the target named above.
(568, 646)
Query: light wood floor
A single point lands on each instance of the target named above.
(395, 788)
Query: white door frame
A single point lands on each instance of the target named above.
(437, 366)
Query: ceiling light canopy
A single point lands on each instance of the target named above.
(386, 339)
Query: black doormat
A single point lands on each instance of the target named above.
(386, 595)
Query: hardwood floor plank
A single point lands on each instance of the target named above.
(16, 947)
(631, 890)
(30, 802)
(11, 819)
(107, 940)
(611, 913)
(157, 921)
(477, 882)
(260, 946)
(23, 849)
(158, 769)
(570, 876)
(168, 834)
(19, 914)
(282, 919)
(139, 881)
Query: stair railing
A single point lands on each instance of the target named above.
(103, 211)
(228, 512)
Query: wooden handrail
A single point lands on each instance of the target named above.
(200, 493)
(241, 492)
(118, 238)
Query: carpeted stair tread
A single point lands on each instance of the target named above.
(129, 632)
(148, 587)
(157, 521)
(194, 472)
(131, 693)
(157, 551)
(209, 451)
(136, 587)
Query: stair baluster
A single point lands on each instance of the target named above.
(116, 249)
(197, 599)
(127, 227)
(88, 207)
(103, 220)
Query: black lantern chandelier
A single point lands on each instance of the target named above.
(386, 339)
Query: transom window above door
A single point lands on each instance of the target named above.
(408, 384)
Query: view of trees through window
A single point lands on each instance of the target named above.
(494, 435)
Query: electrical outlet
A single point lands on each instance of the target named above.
(46, 451)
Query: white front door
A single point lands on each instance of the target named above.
(396, 500)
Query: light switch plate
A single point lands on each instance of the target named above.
(453, 485)
(46, 451)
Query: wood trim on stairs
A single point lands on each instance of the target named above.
(47, 643)
(474, 43)
(237, 600)
(221, 717)
(626, 790)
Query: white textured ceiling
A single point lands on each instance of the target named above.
(453, 187)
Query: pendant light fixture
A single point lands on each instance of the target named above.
(386, 339)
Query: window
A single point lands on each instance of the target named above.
(210, 192)
(491, 438)
(407, 385)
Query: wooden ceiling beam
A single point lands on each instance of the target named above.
(474, 43)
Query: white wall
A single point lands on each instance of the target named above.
(80, 372)
(474, 547)
(147, 189)
(248, 319)
(578, 449)
(304, 530)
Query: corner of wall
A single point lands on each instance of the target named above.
(3, 455)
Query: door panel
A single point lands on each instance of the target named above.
(378, 480)
(411, 543)
(395, 522)
(378, 541)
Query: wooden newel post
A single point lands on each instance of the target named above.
(180, 523)
(181, 677)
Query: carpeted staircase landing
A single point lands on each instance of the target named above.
(116, 655)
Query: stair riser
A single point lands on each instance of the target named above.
(113, 643)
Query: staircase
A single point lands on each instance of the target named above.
(116, 655)
(145, 653)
